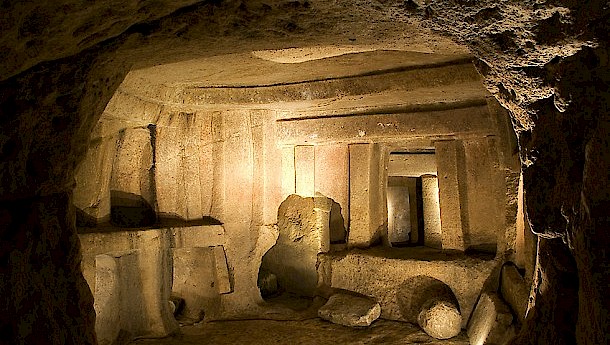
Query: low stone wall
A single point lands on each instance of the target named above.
(380, 272)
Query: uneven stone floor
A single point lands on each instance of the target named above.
(308, 332)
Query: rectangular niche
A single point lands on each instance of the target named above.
(412, 200)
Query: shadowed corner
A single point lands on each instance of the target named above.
(132, 211)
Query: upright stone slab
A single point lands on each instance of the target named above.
(288, 172)
(117, 297)
(131, 299)
(368, 212)
(433, 235)
(155, 271)
(182, 159)
(400, 199)
(332, 177)
(485, 195)
(132, 193)
(449, 162)
(92, 191)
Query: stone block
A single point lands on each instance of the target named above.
(440, 319)
(92, 191)
(514, 290)
(303, 233)
(368, 210)
(112, 277)
(288, 172)
(155, 265)
(238, 164)
(485, 195)
(195, 282)
(352, 128)
(400, 199)
(449, 162)
(184, 165)
(130, 298)
(349, 310)
(490, 323)
(198, 236)
(411, 165)
(332, 178)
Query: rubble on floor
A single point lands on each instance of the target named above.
(491, 322)
(350, 310)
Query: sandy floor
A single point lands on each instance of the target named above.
(308, 332)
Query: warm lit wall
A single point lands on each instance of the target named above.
(546, 62)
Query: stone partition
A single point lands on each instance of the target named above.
(132, 290)
(368, 210)
(433, 233)
(449, 161)
(332, 175)
(131, 275)
(184, 165)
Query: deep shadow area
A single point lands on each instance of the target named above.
(338, 234)
(312, 331)
(128, 210)
(87, 224)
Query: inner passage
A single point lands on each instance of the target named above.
(412, 199)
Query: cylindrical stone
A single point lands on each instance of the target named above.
(440, 319)
(430, 303)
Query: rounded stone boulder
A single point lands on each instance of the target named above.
(432, 305)
(440, 319)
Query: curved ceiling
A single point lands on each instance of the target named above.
(249, 70)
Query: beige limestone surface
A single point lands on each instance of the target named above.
(380, 271)
(303, 224)
(350, 310)
(546, 61)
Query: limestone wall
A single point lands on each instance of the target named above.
(234, 164)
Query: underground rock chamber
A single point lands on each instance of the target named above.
(265, 194)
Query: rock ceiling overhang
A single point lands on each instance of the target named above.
(326, 83)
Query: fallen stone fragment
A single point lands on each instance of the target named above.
(349, 310)
(491, 321)
(514, 290)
